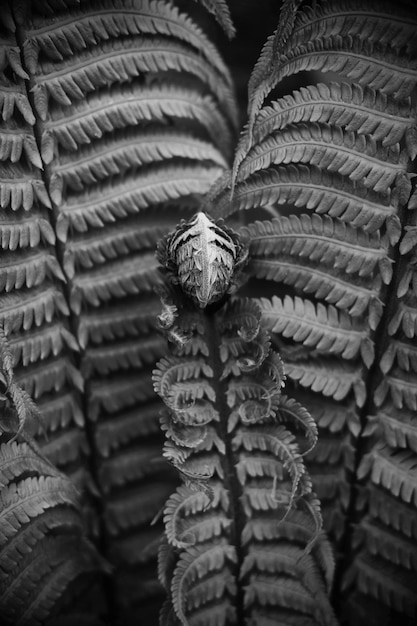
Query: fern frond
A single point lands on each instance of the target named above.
(331, 416)
(354, 252)
(129, 106)
(288, 593)
(28, 268)
(123, 355)
(134, 464)
(98, 246)
(60, 411)
(172, 371)
(127, 427)
(119, 392)
(329, 378)
(297, 526)
(49, 375)
(28, 307)
(108, 203)
(378, 22)
(10, 57)
(330, 147)
(17, 140)
(362, 61)
(355, 108)
(13, 97)
(405, 317)
(115, 279)
(183, 525)
(137, 549)
(195, 563)
(220, 10)
(391, 585)
(402, 388)
(16, 459)
(402, 353)
(24, 230)
(244, 356)
(259, 467)
(114, 322)
(22, 501)
(292, 412)
(65, 448)
(318, 275)
(323, 328)
(21, 188)
(43, 577)
(22, 543)
(319, 190)
(77, 564)
(117, 61)
(244, 315)
(277, 441)
(262, 78)
(137, 508)
(41, 343)
(393, 547)
(394, 470)
(288, 561)
(340, 32)
(127, 150)
(87, 25)
(401, 517)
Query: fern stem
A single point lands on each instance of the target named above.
(231, 481)
(102, 540)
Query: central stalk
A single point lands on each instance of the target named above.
(228, 460)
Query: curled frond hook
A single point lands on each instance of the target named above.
(253, 411)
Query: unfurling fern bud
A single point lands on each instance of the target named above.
(204, 257)
(243, 539)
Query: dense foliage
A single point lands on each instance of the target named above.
(118, 120)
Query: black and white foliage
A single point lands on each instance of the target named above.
(333, 162)
(116, 117)
(117, 121)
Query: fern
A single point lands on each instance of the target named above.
(116, 116)
(328, 147)
(40, 516)
(78, 230)
(241, 467)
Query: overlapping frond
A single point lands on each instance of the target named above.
(324, 257)
(41, 532)
(121, 61)
(342, 147)
(315, 189)
(329, 147)
(355, 108)
(379, 24)
(382, 540)
(333, 38)
(89, 24)
(126, 118)
(321, 328)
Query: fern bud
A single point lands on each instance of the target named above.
(202, 256)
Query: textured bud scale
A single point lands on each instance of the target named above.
(204, 254)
